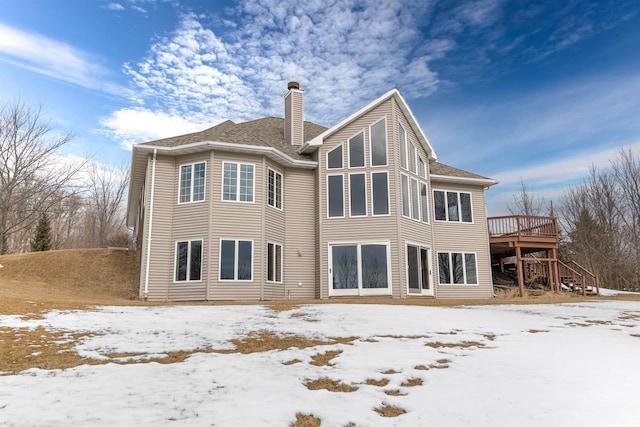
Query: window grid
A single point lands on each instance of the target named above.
(238, 182)
(457, 268)
(192, 183)
(274, 190)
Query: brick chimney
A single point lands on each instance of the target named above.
(294, 114)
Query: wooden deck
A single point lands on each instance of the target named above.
(520, 235)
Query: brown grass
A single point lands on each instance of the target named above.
(394, 392)
(490, 337)
(378, 383)
(536, 331)
(331, 385)
(412, 382)
(304, 420)
(389, 410)
(258, 342)
(324, 359)
(462, 344)
(291, 362)
(635, 335)
(390, 372)
(421, 368)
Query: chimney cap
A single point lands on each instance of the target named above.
(293, 85)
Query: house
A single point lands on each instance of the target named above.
(286, 209)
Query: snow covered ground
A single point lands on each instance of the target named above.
(500, 365)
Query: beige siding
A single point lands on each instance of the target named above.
(300, 280)
(358, 229)
(411, 231)
(161, 258)
(237, 221)
(294, 117)
(465, 237)
(274, 232)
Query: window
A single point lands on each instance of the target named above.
(418, 269)
(335, 196)
(378, 135)
(457, 268)
(237, 182)
(357, 195)
(421, 168)
(402, 140)
(359, 268)
(236, 260)
(452, 206)
(274, 263)
(380, 192)
(188, 261)
(412, 157)
(405, 195)
(334, 158)
(192, 179)
(414, 199)
(356, 151)
(274, 189)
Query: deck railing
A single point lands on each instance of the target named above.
(579, 276)
(523, 226)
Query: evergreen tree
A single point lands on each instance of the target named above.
(42, 239)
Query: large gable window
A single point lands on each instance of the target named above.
(238, 182)
(402, 140)
(274, 189)
(192, 182)
(334, 158)
(188, 262)
(452, 206)
(356, 151)
(414, 199)
(380, 191)
(457, 268)
(357, 194)
(378, 134)
(335, 196)
(236, 260)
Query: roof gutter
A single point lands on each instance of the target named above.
(148, 261)
(487, 182)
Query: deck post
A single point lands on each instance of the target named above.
(520, 272)
(556, 271)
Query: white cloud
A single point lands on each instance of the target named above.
(134, 125)
(115, 6)
(54, 59)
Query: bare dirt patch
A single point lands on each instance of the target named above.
(378, 383)
(462, 344)
(324, 359)
(330, 385)
(390, 410)
(305, 420)
(412, 382)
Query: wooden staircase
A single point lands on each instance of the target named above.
(576, 278)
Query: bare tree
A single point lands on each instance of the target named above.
(526, 203)
(30, 173)
(105, 214)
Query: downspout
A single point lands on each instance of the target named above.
(153, 183)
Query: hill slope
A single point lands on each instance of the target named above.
(67, 278)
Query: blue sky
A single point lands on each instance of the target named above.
(514, 90)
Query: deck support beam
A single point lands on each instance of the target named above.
(519, 267)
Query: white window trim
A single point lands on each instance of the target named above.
(237, 200)
(359, 291)
(366, 199)
(412, 149)
(427, 196)
(402, 131)
(446, 211)
(327, 195)
(411, 201)
(430, 266)
(235, 259)
(341, 145)
(281, 208)
(364, 149)
(373, 213)
(275, 263)
(386, 144)
(175, 260)
(192, 165)
(464, 270)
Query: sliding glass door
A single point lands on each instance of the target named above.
(359, 269)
